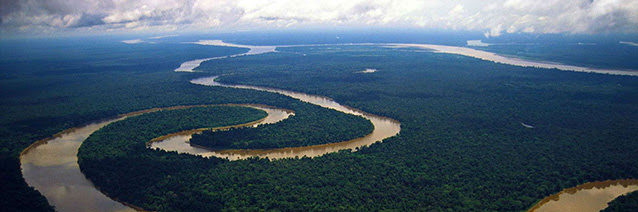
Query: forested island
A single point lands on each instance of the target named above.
(331, 127)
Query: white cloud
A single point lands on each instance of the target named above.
(162, 36)
(477, 43)
(628, 43)
(492, 17)
(136, 41)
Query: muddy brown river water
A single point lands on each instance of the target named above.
(588, 197)
(52, 168)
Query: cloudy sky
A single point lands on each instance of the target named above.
(494, 17)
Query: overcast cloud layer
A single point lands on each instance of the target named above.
(492, 17)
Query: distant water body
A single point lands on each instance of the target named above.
(489, 56)
(189, 66)
(483, 55)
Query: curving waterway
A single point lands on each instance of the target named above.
(51, 165)
(588, 197)
(383, 128)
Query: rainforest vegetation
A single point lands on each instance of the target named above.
(52, 85)
(462, 146)
(120, 148)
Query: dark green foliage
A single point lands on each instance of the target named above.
(625, 203)
(47, 86)
(333, 126)
(462, 146)
(16, 195)
(119, 150)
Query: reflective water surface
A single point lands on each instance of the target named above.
(512, 60)
(51, 167)
(587, 197)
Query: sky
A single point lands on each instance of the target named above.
(493, 18)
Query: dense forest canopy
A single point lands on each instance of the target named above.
(46, 89)
(462, 145)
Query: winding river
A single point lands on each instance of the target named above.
(383, 128)
(51, 167)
